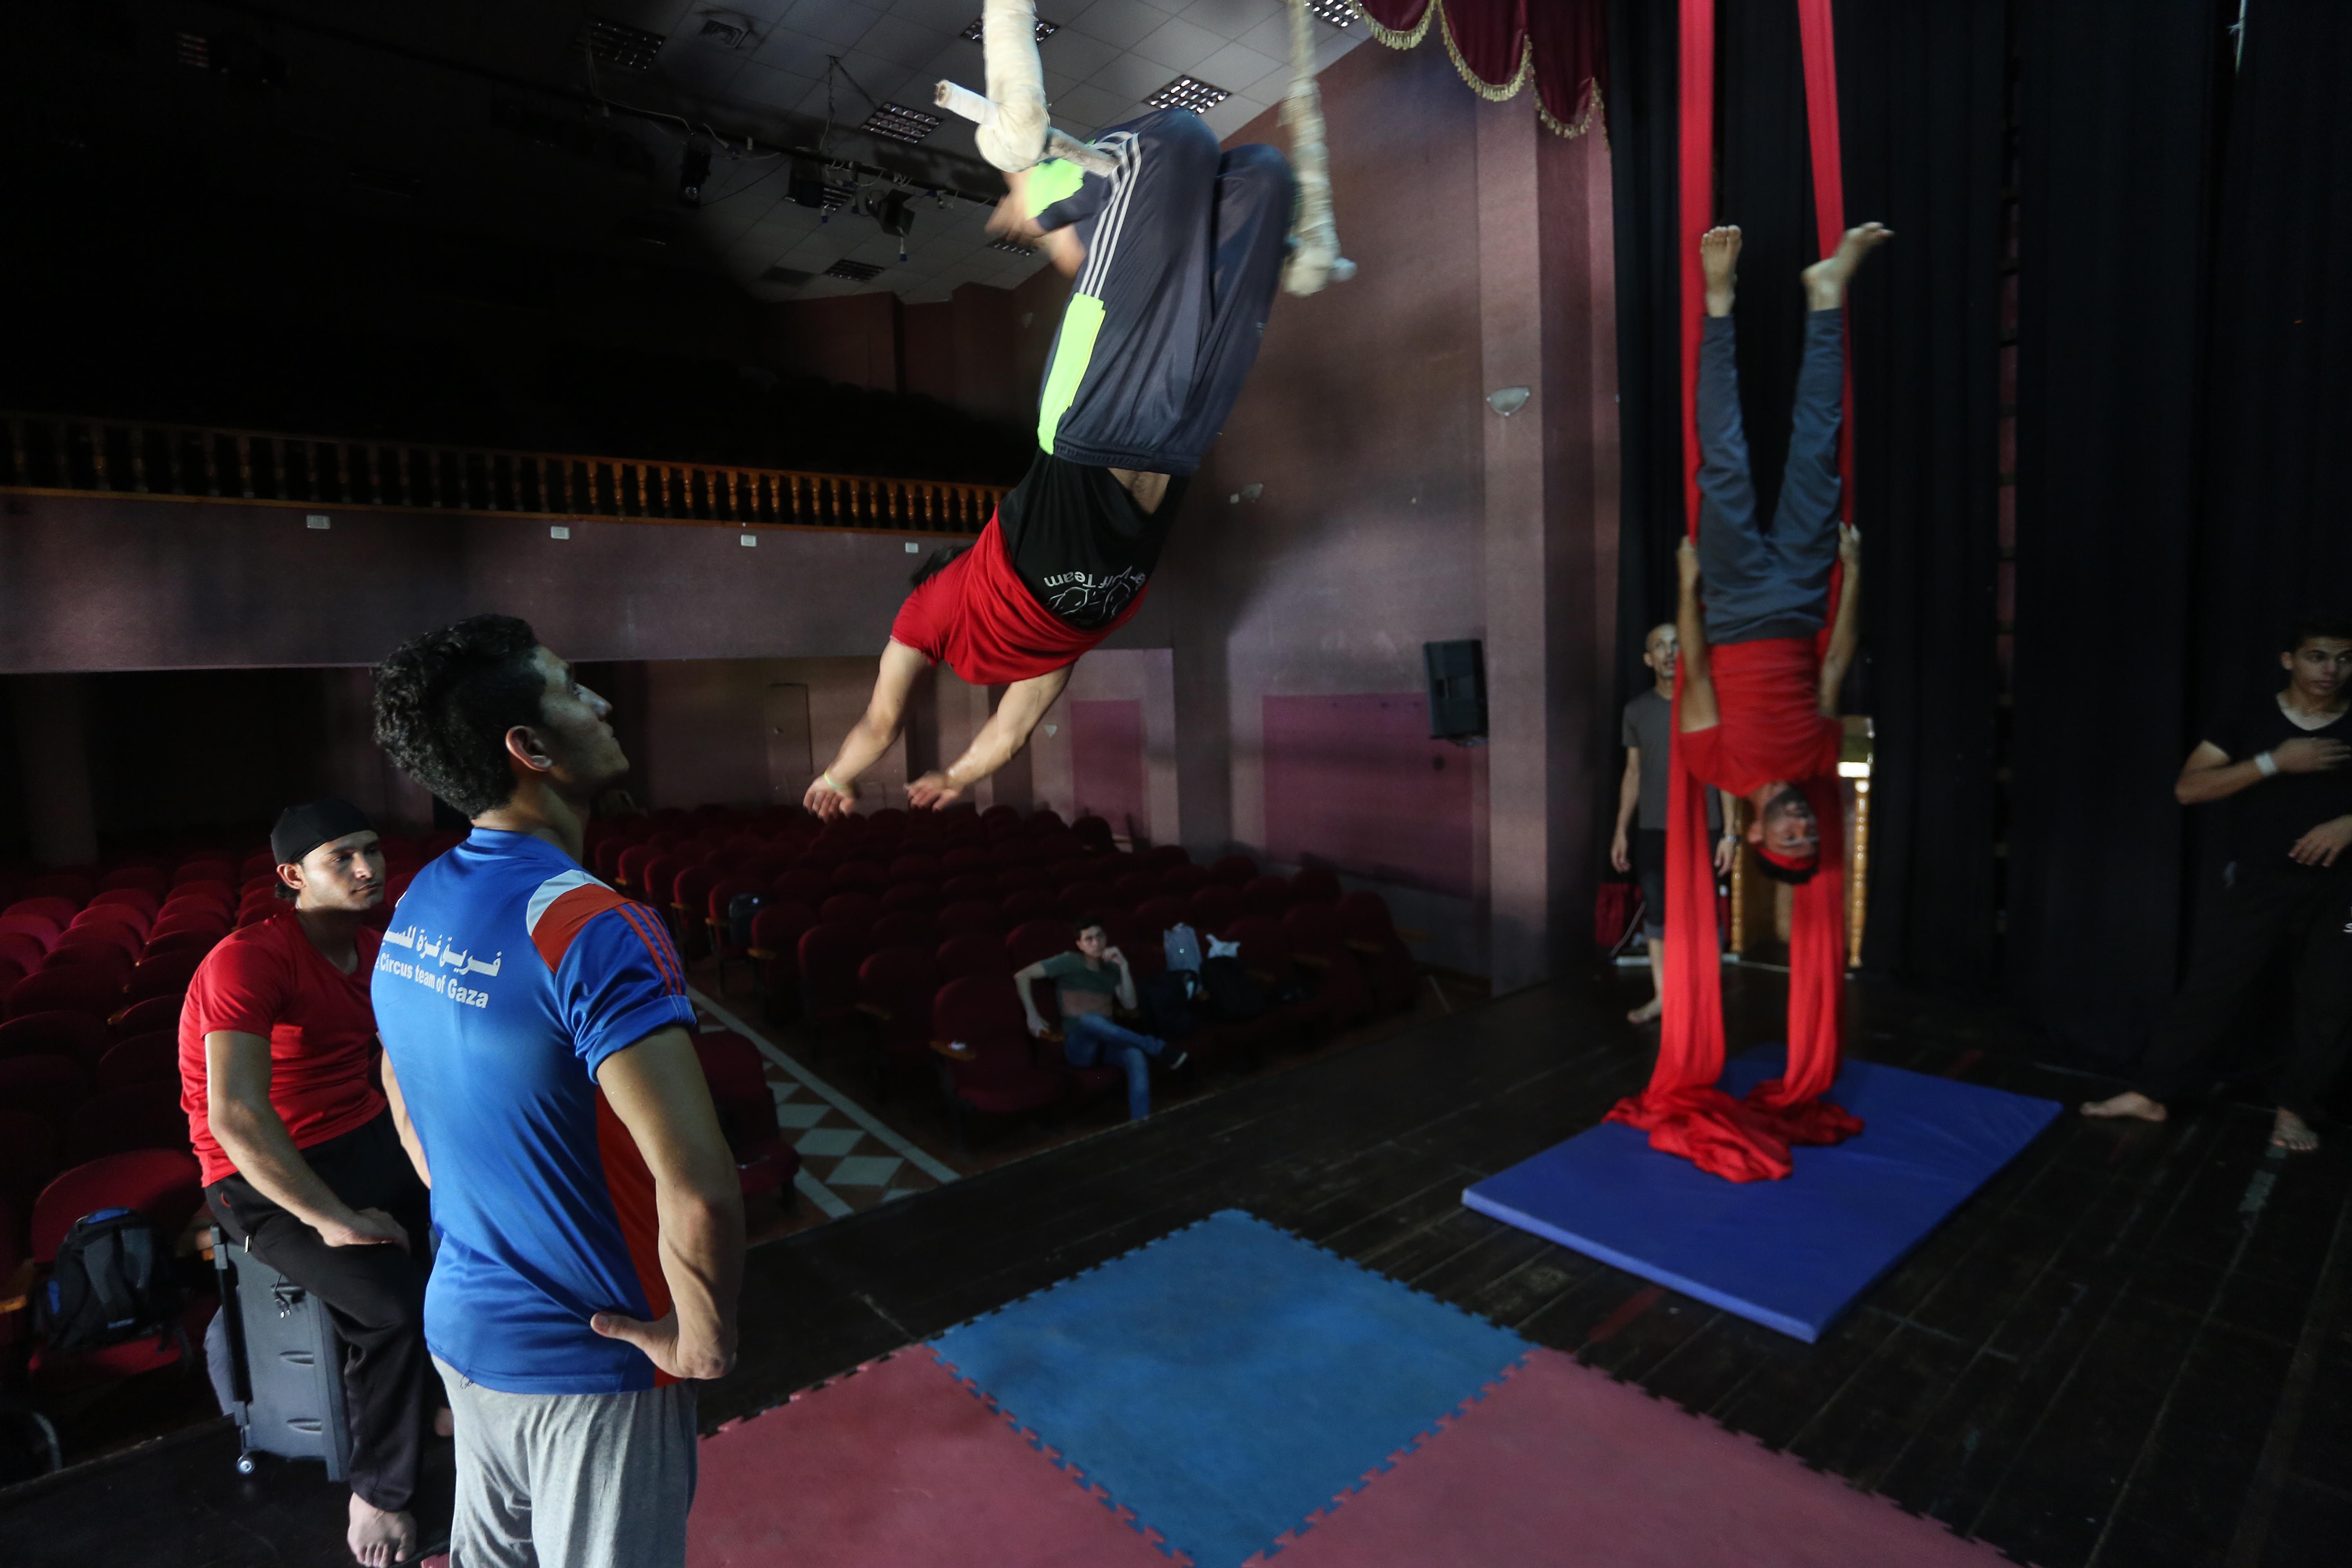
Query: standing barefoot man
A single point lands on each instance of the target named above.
(1175, 259)
(2282, 762)
(1759, 714)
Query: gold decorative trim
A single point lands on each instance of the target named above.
(1587, 115)
(1390, 36)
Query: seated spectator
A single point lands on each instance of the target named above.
(1089, 983)
(301, 1161)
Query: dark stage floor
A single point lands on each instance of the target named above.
(2129, 1350)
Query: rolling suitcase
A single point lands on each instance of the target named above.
(287, 1365)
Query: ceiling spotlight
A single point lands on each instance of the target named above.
(901, 123)
(1045, 30)
(1334, 12)
(693, 174)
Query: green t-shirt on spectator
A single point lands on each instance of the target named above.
(1071, 972)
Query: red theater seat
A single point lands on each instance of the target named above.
(148, 879)
(1029, 904)
(1215, 908)
(1364, 921)
(1183, 881)
(1317, 943)
(919, 895)
(123, 939)
(28, 1158)
(166, 976)
(1232, 870)
(894, 988)
(76, 1037)
(1158, 916)
(971, 915)
(160, 1183)
(147, 900)
(1094, 833)
(994, 1075)
(143, 1058)
(1267, 896)
(1265, 954)
(150, 1016)
(23, 948)
(73, 988)
(49, 907)
(857, 909)
(49, 1086)
(1314, 885)
(906, 928)
(829, 957)
(857, 876)
(976, 952)
(144, 1116)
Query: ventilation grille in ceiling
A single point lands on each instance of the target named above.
(901, 123)
(1188, 92)
(619, 45)
(1339, 13)
(855, 271)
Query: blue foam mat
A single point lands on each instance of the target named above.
(1228, 1379)
(1792, 1254)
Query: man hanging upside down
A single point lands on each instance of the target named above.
(1175, 259)
(1760, 714)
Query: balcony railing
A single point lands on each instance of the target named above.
(56, 454)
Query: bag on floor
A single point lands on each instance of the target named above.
(113, 1280)
(1183, 946)
(1234, 993)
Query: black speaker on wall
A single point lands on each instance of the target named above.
(1457, 688)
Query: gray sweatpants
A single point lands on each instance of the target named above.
(570, 1480)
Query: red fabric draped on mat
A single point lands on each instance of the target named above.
(1500, 45)
(1682, 1111)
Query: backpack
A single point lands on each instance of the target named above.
(741, 911)
(1169, 1003)
(1183, 948)
(1234, 993)
(113, 1280)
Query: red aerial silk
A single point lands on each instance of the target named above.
(1682, 1110)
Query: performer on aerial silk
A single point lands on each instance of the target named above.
(1175, 247)
(1757, 700)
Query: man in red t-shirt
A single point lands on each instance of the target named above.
(1758, 709)
(1175, 259)
(302, 1163)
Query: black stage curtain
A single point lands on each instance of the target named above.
(1642, 142)
(1920, 94)
(1920, 101)
(2118, 101)
(2278, 536)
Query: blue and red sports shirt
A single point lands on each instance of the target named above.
(508, 976)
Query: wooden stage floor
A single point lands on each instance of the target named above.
(2130, 1351)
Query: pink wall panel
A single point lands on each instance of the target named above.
(1107, 763)
(1356, 783)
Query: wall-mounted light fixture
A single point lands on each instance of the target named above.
(1507, 400)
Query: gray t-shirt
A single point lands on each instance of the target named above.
(1071, 972)
(1649, 724)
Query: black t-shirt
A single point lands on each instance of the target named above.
(1079, 543)
(2267, 818)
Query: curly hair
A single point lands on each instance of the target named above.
(445, 701)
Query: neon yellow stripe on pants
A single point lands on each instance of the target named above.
(1073, 351)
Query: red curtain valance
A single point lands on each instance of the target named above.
(1499, 46)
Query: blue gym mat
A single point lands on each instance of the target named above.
(1792, 1254)
(1228, 1379)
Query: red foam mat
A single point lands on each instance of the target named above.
(896, 1465)
(1561, 1464)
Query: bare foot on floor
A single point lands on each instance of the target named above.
(379, 1539)
(2130, 1103)
(1649, 1010)
(2294, 1134)
(1718, 263)
(1826, 279)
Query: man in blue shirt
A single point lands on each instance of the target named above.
(538, 1042)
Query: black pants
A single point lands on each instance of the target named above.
(374, 1294)
(2291, 910)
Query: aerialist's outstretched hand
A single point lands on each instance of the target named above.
(933, 791)
(825, 802)
(1687, 561)
(1849, 545)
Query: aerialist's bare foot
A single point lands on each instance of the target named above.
(2129, 1103)
(2292, 1133)
(378, 1539)
(1718, 263)
(1826, 279)
(1647, 1011)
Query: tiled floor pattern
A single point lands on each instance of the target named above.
(850, 1159)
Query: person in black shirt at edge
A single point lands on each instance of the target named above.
(2287, 763)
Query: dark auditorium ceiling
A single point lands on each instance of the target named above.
(481, 116)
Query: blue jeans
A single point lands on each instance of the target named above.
(1088, 1038)
(1776, 584)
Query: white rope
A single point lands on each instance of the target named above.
(1314, 258)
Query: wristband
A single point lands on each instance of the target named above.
(830, 784)
(2266, 765)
